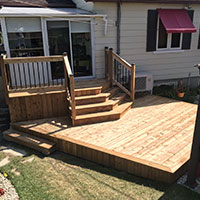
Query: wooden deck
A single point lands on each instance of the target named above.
(152, 140)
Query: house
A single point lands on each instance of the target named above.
(43, 28)
(133, 28)
(137, 30)
(58, 73)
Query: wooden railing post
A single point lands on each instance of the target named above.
(69, 84)
(4, 77)
(106, 62)
(110, 58)
(73, 105)
(133, 82)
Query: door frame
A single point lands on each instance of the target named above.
(44, 21)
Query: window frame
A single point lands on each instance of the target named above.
(169, 40)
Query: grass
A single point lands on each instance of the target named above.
(62, 176)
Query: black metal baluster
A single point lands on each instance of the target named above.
(48, 82)
(29, 73)
(8, 76)
(126, 78)
(38, 74)
(20, 78)
(53, 82)
(43, 73)
(24, 75)
(121, 75)
(118, 72)
(15, 76)
(57, 78)
(34, 73)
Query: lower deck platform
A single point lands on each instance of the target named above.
(152, 140)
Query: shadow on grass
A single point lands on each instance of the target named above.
(171, 191)
(71, 160)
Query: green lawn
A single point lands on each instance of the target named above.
(63, 177)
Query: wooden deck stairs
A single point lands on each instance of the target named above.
(84, 101)
(94, 105)
(44, 146)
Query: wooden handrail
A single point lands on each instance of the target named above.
(67, 65)
(70, 88)
(112, 57)
(122, 61)
(33, 59)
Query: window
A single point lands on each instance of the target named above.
(172, 35)
(25, 37)
(167, 41)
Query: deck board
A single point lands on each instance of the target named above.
(156, 132)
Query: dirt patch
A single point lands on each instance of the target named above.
(29, 160)
(5, 161)
(14, 171)
(13, 151)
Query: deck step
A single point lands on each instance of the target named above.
(88, 91)
(114, 114)
(101, 107)
(44, 146)
(99, 98)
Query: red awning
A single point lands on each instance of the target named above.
(176, 21)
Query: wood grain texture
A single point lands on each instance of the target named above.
(39, 144)
(38, 106)
(152, 140)
(33, 59)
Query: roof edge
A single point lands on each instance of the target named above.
(150, 1)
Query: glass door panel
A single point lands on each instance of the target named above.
(81, 48)
(59, 42)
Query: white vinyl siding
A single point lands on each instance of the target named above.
(102, 40)
(169, 65)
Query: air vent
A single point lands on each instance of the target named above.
(143, 82)
(140, 83)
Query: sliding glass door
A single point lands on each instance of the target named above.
(59, 42)
(73, 37)
(81, 48)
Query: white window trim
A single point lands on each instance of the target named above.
(169, 41)
(5, 37)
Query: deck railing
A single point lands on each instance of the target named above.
(31, 72)
(28, 73)
(120, 72)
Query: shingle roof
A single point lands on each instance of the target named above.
(152, 1)
(38, 3)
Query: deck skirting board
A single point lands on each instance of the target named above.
(118, 161)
